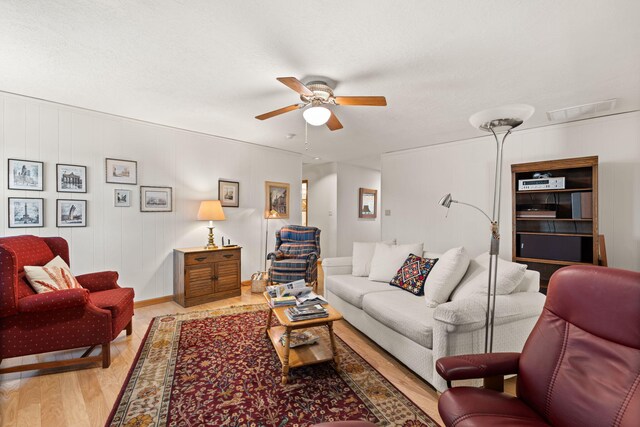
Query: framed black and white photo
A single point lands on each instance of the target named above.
(229, 193)
(121, 198)
(121, 171)
(71, 178)
(26, 212)
(156, 199)
(25, 175)
(71, 213)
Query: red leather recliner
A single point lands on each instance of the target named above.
(32, 323)
(580, 365)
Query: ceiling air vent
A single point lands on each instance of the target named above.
(571, 113)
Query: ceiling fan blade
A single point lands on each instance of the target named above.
(279, 111)
(296, 85)
(333, 123)
(373, 101)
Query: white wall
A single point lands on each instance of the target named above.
(139, 245)
(333, 205)
(413, 181)
(322, 204)
(351, 228)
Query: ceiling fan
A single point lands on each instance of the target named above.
(314, 96)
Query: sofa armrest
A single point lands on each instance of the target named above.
(470, 313)
(50, 301)
(101, 281)
(337, 266)
(471, 366)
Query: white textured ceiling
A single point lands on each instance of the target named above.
(211, 66)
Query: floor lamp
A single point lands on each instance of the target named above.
(496, 120)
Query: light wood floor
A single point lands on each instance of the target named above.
(62, 397)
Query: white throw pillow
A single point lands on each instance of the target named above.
(388, 259)
(445, 276)
(362, 256)
(474, 282)
(54, 276)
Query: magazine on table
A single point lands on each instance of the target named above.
(310, 298)
(299, 287)
(306, 313)
(297, 339)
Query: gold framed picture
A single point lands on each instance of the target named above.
(367, 203)
(276, 199)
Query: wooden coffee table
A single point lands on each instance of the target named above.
(320, 352)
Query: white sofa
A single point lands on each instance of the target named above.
(418, 335)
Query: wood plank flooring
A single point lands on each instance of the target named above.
(63, 397)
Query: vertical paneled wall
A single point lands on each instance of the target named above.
(413, 181)
(139, 245)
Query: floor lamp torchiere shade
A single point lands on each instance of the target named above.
(497, 120)
(211, 210)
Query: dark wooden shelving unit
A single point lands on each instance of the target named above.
(547, 244)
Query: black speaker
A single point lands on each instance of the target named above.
(558, 248)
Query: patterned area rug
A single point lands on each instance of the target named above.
(218, 368)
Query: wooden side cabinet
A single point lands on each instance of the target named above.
(204, 275)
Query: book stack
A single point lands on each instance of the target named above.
(296, 314)
(282, 301)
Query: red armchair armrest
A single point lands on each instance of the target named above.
(50, 301)
(471, 366)
(97, 282)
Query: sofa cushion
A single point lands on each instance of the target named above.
(413, 273)
(362, 256)
(352, 289)
(445, 276)
(402, 312)
(388, 259)
(474, 282)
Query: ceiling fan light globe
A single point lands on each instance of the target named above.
(316, 116)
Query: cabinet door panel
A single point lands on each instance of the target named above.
(199, 280)
(228, 273)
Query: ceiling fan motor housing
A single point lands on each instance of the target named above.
(322, 93)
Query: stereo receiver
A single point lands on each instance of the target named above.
(551, 183)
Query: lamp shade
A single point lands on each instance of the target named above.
(210, 210)
(501, 119)
(316, 116)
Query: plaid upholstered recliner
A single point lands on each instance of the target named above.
(296, 255)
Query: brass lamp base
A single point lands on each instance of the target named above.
(210, 243)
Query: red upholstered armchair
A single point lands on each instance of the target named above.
(32, 323)
(579, 367)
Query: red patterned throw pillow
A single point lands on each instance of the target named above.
(412, 275)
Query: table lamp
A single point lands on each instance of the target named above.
(210, 210)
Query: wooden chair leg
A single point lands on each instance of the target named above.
(106, 355)
(130, 327)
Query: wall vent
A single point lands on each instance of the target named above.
(571, 113)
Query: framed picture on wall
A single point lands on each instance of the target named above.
(26, 212)
(121, 171)
(71, 178)
(71, 213)
(25, 175)
(156, 199)
(276, 199)
(367, 203)
(229, 193)
(121, 198)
